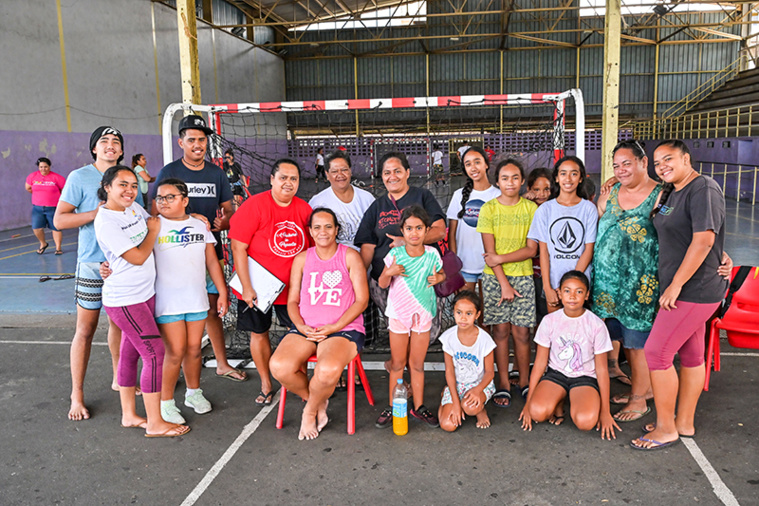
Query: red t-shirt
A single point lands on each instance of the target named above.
(46, 190)
(274, 234)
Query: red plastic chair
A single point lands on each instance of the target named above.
(354, 366)
(740, 322)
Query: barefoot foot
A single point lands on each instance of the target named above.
(321, 416)
(483, 421)
(308, 429)
(78, 411)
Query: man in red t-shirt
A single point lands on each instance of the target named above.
(270, 227)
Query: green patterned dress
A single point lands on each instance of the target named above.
(625, 264)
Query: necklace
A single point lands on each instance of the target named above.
(193, 164)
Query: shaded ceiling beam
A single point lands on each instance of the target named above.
(719, 34)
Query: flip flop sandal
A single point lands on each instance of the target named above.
(267, 398)
(167, 433)
(640, 414)
(44, 278)
(42, 249)
(64, 276)
(502, 394)
(59, 252)
(622, 378)
(658, 444)
(524, 391)
(228, 375)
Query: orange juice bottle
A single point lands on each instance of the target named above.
(400, 409)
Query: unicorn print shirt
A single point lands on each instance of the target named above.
(468, 361)
(573, 342)
(326, 291)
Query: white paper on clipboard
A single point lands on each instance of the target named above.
(267, 285)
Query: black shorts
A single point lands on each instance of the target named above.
(253, 320)
(568, 383)
(353, 336)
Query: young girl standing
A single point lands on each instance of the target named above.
(565, 228)
(538, 190)
(468, 366)
(573, 344)
(126, 234)
(411, 271)
(184, 249)
(464, 211)
(507, 284)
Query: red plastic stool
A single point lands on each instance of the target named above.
(353, 365)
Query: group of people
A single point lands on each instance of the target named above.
(534, 257)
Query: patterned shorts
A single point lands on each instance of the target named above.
(462, 388)
(519, 312)
(88, 285)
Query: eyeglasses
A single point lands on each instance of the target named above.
(167, 198)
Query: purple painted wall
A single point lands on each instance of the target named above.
(68, 151)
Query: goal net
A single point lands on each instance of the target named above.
(539, 128)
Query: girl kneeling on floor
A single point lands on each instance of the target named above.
(184, 250)
(411, 271)
(469, 369)
(126, 234)
(573, 343)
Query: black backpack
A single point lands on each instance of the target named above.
(735, 285)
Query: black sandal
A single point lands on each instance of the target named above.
(267, 398)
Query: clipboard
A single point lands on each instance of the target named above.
(267, 285)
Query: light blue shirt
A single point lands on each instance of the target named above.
(81, 192)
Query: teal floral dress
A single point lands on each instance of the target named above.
(625, 263)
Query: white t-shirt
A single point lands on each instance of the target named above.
(468, 240)
(573, 342)
(180, 258)
(437, 157)
(348, 215)
(566, 231)
(463, 150)
(320, 160)
(117, 232)
(468, 361)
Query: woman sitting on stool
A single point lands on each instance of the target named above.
(326, 310)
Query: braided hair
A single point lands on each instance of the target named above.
(667, 188)
(466, 191)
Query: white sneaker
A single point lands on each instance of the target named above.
(197, 402)
(170, 412)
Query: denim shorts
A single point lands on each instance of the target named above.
(471, 278)
(186, 317)
(42, 217)
(631, 339)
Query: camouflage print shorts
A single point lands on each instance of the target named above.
(519, 312)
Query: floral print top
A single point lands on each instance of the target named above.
(625, 262)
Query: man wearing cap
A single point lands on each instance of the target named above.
(211, 196)
(77, 208)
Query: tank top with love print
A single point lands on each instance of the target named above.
(326, 291)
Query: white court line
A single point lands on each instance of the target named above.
(67, 343)
(718, 486)
(212, 473)
(736, 354)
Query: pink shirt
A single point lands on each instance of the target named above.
(326, 291)
(46, 190)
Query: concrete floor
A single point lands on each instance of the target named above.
(235, 455)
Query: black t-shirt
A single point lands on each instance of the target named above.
(208, 189)
(233, 172)
(383, 217)
(698, 207)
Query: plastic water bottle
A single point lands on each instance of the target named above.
(400, 409)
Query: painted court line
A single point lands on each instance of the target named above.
(720, 489)
(67, 343)
(212, 473)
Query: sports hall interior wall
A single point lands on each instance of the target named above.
(111, 79)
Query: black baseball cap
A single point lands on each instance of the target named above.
(194, 122)
(102, 131)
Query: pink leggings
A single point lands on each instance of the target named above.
(139, 339)
(678, 331)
